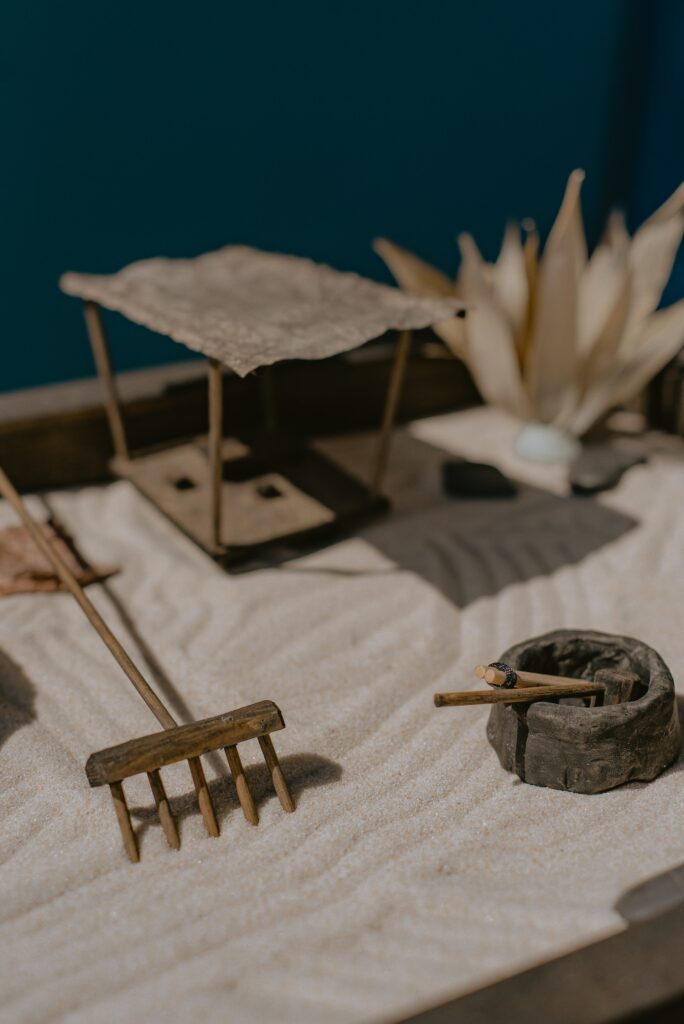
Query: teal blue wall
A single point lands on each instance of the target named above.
(659, 163)
(138, 129)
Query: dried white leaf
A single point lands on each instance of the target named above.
(510, 286)
(419, 278)
(584, 332)
(412, 273)
(653, 252)
(602, 282)
(490, 347)
(552, 363)
(662, 337)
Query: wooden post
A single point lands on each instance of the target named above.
(267, 391)
(103, 362)
(215, 441)
(391, 404)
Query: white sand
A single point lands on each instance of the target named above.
(414, 867)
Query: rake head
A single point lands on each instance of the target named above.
(187, 743)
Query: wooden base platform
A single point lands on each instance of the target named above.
(274, 494)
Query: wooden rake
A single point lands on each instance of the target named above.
(176, 742)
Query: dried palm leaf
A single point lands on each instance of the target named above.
(558, 338)
(551, 367)
(419, 278)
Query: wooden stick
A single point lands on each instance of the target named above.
(87, 607)
(269, 408)
(244, 796)
(124, 819)
(391, 405)
(215, 441)
(103, 362)
(204, 796)
(514, 696)
(279, 784)
(168, 822)
(495, 677)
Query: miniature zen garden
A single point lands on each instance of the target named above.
(347, 586)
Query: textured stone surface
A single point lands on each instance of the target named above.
(588, 750)
(464, 479)
(599, 467)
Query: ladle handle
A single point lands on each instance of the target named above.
(50, 551)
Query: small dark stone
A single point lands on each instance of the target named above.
(463, 479)
(599, 467)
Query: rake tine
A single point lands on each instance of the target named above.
(168, 822)
(203, 796)
(280, 786)
(124, 819)
(244, 795)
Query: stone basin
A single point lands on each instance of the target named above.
(565, 745)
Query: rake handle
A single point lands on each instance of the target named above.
(8, 491)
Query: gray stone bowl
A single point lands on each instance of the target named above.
(581, 749)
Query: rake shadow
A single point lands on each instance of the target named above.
(17, 698)
(302, 772)
(474, 548)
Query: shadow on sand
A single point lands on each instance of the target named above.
(473, 548)
(302, 772)
(17, 698)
